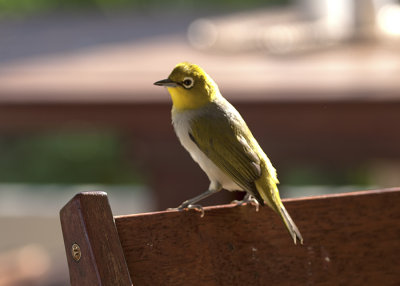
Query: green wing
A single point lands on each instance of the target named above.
(227, 141)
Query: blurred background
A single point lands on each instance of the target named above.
(317, 82)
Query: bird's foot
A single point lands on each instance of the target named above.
(188, 206)
(198, 208)
(238, 203)
(254, 202)
(247, 200)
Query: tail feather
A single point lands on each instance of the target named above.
(290, 225)
(267, 189)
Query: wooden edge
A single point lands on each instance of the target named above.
(93, 249)
(289, 200)
(349, 194)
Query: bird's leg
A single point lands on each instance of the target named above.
(248, 199)
(243, 201)
(191, 203)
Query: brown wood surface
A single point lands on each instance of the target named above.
(88, 221)
(350, 239)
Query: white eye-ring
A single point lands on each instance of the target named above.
(188, 82)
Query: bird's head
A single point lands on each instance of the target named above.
(190, 86)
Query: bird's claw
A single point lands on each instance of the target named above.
(184, 206)
(198, 208)
(249, 200)
(238, 203)
(256, 204)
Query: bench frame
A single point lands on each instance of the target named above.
(349, 239)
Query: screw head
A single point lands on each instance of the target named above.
(76, 252)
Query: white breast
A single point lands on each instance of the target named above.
(181, 123)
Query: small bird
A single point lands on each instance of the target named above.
(218, 139)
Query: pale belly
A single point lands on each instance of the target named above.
(214, 173)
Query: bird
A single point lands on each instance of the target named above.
(219, 140)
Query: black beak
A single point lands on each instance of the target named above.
(166, 82)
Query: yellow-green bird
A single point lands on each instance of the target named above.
(218, 139)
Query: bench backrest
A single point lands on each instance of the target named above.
(349, 239)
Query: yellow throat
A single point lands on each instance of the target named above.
(190, 87)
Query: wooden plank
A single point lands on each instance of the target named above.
(87, 221)
(350, 239)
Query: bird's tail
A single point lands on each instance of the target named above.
(267, 187)
(290, 225)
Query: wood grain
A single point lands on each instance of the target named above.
(88, 221)
(350, 239)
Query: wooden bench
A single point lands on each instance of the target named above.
(349, 239)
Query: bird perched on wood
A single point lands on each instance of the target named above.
(218, 139)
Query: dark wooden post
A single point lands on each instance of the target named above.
(92, 245)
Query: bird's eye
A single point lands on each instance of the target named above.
(188, 82)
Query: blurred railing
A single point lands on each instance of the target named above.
(336, 108)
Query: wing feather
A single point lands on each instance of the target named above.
(227, 143)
